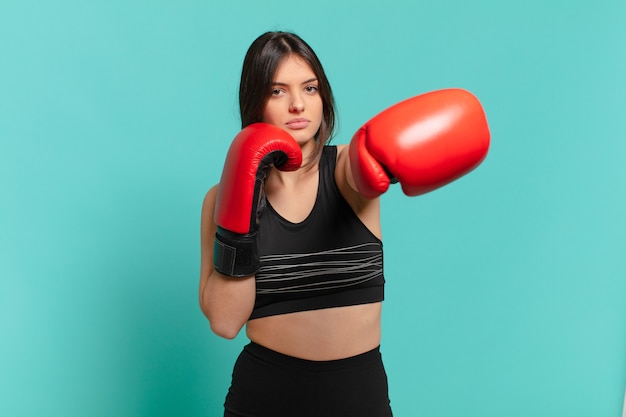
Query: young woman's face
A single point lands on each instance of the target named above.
(295, 104)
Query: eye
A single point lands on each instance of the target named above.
(311, 89)
(276, 92)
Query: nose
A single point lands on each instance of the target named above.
(297, 104)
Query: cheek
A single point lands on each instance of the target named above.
(268, 115)
(319, 110)
(315, 105)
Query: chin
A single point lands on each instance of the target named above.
(303, 138)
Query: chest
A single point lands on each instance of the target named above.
(294, 201)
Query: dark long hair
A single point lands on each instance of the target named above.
(257, 75)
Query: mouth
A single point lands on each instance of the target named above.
(298, 123)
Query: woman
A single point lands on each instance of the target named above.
(291, 236)
(314, 349)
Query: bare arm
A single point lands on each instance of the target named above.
(227, 302)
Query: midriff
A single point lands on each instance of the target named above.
(320, 335)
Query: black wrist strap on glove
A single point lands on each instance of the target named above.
(234, 254)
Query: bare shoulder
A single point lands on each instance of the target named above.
(342, 167)
(368, 210)
(344, 180)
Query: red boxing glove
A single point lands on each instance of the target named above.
(423, 143)
(241, 197)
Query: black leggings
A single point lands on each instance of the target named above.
(269, 384)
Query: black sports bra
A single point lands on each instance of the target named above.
(331, 259)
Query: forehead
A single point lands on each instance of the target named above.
(293, 69)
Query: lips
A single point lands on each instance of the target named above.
(298, 123)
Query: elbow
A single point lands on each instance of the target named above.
(225, 330)
(226, 316)
(225, 327)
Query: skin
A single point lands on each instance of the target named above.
(325, 334)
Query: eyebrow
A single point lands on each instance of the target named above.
(310, 80)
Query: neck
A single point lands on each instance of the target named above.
(310, 158)
(309, 152)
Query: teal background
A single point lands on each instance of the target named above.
(506, 290)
